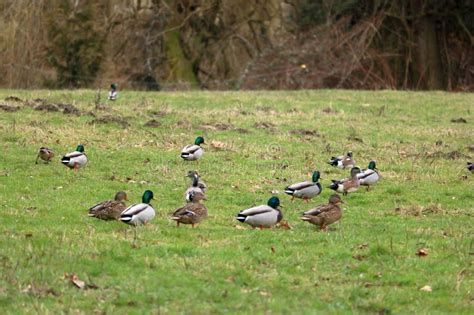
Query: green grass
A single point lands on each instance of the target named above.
(366, 263)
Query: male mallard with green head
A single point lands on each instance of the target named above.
(323, 215)
(193, 152)
(305, 190)
(76, 159)
(110, 209)
(141, 213)
(343, 161)
(264, 216)
(46, 154)
(113, 94)
(193, 212)
(347, 185)
(369, 176)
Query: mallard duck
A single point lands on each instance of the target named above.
(201, 184)
(470, 167)
(323, 215)
(46, 154)
(193, 188)
(347, 185)
(113, 94)
(139, 213)
(305, 190)
(264, 216)
(193, 152)
(193, 212)
(76, 159)
(343, 161)
(110, 209)
(369, 176)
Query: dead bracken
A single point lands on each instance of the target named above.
(305, 132)
(111, 119)
(264, 125)
(47, 108)
(217, 126)
(417, 210)
(8, 108)
(453, 155)
(153, 123)
(13, 99)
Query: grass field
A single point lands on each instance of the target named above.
(262, 141)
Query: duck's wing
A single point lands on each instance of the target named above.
(299, 186)
(191, 209)
(256, 210)
(318, 210)
(190, 149)
(135, 209)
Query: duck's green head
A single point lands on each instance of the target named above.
(147, 196)
(349, 154)
(372, 165)
(316, 176)
(274, 202)
(199, 140)
(120, 196)
(113, 86)
(80, 148)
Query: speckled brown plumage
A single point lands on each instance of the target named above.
(324, 215)
(110, 209)
(193, 212)
(46, 154)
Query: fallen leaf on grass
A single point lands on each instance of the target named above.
(422, 252)
(273, 249)
(426, 288)
(39, 291)
(284, 225)
(219, 145)
(74, 279)
(358, 257)
(239, 227)
(264, 293)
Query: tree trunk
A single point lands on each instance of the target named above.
(429, 65)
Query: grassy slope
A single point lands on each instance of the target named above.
(217, 267)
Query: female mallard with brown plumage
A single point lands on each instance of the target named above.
(347, 185)
(323, 215)
(343, 161)
(46, 154)
(110, 209)
(193, 212)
